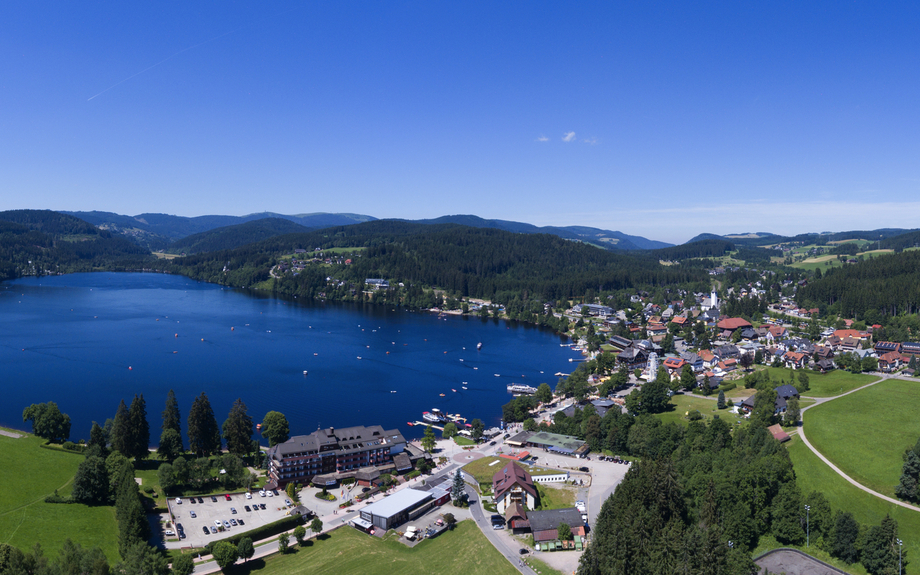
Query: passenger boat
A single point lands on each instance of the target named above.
(520, 388)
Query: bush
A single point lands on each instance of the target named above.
(413, 474)
(56, 498)
(149, 490)
(729, 386)
(695, 415)
(71, 446)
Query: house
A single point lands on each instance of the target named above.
(695, 361)
(787, 392)
(728, 351)
(854, 333)
(709, 358)
(889, 362)
(748, 334)
(592, 309)
(783, 394)
(726, 366)
(674, 365)
(619, 343)
(680, 320)
(910, 348)
(776, 332)
(731, 324)
(377, 284)
(512, 484)
(795, 360)
(633, 357)
(849, 344)
(824, 352)
(825, 365)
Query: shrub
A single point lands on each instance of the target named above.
(729, 386)
(695, 415)
(148, 490)
(56, 498)
(264, 531)
(413, 474)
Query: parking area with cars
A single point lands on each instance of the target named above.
(200, 519)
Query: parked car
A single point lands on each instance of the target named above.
(288, 502)
(213, 530)
(233, 522)
(178, 501)
(233, 510)
(227, 496)
(261, 506)
(169, 533)
(192, 514)
(217, 522)
(270, 494)
(205, 529)
(248, 495)
(213, 499)
(262, 493)
(246, 507)
(226, 524)
(200, 500)
(241, 522)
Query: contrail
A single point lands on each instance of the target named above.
(184, 50)
(161, 61)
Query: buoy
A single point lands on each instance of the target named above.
(202, 339)
(177, 335)
(231, 329)
(129, 367)
(175, 352)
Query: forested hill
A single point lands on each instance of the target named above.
(229, 237)
(608, 239)
(59, 243)
(475, 262)
(885, 285)
(699, 249)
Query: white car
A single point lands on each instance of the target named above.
(249, 496)
(270, 494)
(169, 532)
(262, 493)
(178, 501)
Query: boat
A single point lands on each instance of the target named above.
(454, 390)
(305, 372)
(442, 395)
(410, 423)
(435, 415)
(479, 345)
(521, 388)
(464, 387)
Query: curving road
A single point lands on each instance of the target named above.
(801, 432)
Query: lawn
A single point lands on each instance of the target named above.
(866, 433)
(681, 404)
(828, 384)
(555, 497)
(812, 474)
(28, 473)
(347, 551)
(463, 441)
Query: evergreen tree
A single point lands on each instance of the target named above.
(687, 379)
(845, 537)
(910, 476)
(171, 417)
(203, 433)
(720, 402)
(457, 489)
(139, 435)
(183, 564)
(238, 429)
(97, 438)
(121, 430)
(880, 552)
(792, 414)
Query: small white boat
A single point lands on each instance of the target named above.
(305, 372)
(479, 345)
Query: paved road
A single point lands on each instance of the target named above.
(801, 431)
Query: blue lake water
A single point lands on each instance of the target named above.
(86, 341)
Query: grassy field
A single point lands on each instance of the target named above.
(463, 441)
(866, 433)
(28, 473)
(812, 474)
(681, 404)
(828, 384)
(347, 551)
(555, 497)
(822, 260)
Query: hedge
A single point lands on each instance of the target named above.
(264, 532)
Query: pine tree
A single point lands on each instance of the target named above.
(787, 511)
(238, 429)
(910, 476)
(171, 418)
(121, 430)
(203, 433)
(720, 403)
(428, 440)
(457, 489)
(140, 429)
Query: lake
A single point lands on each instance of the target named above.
(86, 341)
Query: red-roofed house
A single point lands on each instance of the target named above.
(709, 358)
(845, 333)
(733, 323)
(674, 365)
(795, 360)
(512, 484)
(778, 433)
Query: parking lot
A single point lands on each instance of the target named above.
(217, 508)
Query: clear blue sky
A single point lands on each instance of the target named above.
(663, 119)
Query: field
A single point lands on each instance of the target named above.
(347, 551)
(813, 475)
(555, 497)
(822, 260)
(866, 433)
(681, 404)
(829, 384)
(28, 473)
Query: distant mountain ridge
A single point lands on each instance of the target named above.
(234, 236)
(157, 231)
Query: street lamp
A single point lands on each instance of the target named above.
(807, 526)
(900, 543)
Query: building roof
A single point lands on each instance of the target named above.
(399, 501)
(402, 462)
(786, 391)
(845, 333)
(778, 433)
(550, 520)
(733, 323)
(510, 475)
(343, 440)
(557, 442)
(367, 474)
(519, 438)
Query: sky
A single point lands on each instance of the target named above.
(659, 119)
